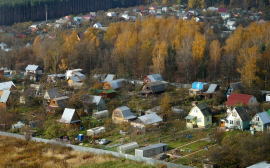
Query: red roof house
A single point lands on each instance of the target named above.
(223, 10)
(244, 99)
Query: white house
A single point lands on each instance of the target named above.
(34, 71)
(3, 46)
(238, 119)
(225, 15)
(111, 14)
(97, 25)
(231, 25)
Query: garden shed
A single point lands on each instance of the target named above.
(151, 150)
(127, 147)
(100, 114)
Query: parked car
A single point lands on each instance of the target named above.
(104, 141)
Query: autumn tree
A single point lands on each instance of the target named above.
(198, 47)
(215, 53)
(249, 58)
(159, 55)
(165, 105)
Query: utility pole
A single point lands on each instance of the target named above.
(46, 12)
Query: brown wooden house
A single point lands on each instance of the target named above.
(153, 88)
(70, 118)
(122, 114)
(59, 102)
(107, 94)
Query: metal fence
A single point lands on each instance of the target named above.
(99, 151)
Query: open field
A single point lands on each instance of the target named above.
(20, 153)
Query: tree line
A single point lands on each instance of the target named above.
(180, 50)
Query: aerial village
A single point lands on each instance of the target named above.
(195, 123)
(146, 118)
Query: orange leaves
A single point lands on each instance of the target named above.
(198, 47)
(159, 55)
(249, 57)
(215, 50)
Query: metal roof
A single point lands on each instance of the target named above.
(189, 117)
(53, 93)
(155, 77)
(242, 113)
(67, 116)
(75, 78)
(96, 99)
(32, 67)
(115, 84)
(3, 45)
(109, 77)
(6, 85)
(263, 164)
(152, 146)
(212, 88)
(205, 109)
(4, 96)
(236, 86)
(198, 85)
(62, 101)
(82, 76)
(235, 98)
(264, 117)
(157, 86)
(150, 119)
(127, 114)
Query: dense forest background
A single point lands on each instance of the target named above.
(180, 50)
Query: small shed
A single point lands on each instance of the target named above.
(123, 114)
(18, 125)
(114, 84)
(100, 114)
(153, 88)
(107, 94)
(151, 150)
(127, 147)
(95, 131)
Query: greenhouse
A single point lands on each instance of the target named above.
(151, 150)
(127, 147)
(100, 114)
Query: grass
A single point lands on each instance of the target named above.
(20, 153)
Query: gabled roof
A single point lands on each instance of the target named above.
(212, 88)
(236, 86)
(157, 86)
(32, 67)
(115, 84)
(61, 101)
(242, 113)
(96, 99)
(3, 45)
(127, 114)
(107, 91)
(235, 98)
(75, 78)
(6, 85)
(205, 109)
(53, 93)
(149, 119)
(109, 77)
(223, 10)
(155, 77)
(4, 97)
(70, 116)
(264, 117)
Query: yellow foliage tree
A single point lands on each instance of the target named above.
(159, 55)
(198, 47)
(165, 105)
(249, 58)
(64, 64)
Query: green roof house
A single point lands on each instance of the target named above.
(199, 116)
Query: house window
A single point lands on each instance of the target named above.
(191, 91)
(259, 125)
(251, 101)
(196, 110)
(238, 122)
(115, 119)
(234, 114)
(207, 118)
(199, 120)
(257, 119)
(231, 121)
